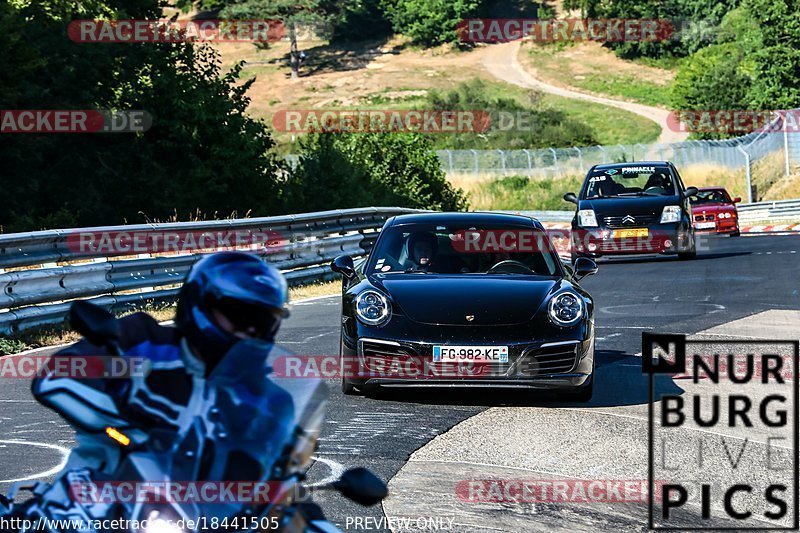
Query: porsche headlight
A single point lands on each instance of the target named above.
(372, 307)
(587, 218)
(671, 213)
(565, 309)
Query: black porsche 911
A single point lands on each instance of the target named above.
(466, 300)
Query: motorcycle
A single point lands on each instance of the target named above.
(277, 427)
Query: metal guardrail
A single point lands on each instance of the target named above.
(124, 280)
(777, 210)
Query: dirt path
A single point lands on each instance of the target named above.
(501, 61)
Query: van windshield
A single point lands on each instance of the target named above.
(629, 181)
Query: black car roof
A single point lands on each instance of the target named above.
(457, 218)
(632, 164)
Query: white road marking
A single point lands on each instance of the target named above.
(61, 449)
(337, 469)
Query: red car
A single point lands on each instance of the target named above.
(713, 211)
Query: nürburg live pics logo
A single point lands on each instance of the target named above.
(723, 434)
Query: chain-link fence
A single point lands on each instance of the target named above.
(758, 159)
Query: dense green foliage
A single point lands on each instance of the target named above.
(202, 151)
(369, 169)
(513, 126)
(203, 154)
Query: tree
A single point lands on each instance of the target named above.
(429, 22)
(202, 151)
(370, 169)
(294, 14)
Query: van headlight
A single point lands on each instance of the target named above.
(671, 213)
(372, 307)
(587, 218)
(565, 308)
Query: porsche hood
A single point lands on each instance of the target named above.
(479, 300)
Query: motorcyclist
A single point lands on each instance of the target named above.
(226, 297)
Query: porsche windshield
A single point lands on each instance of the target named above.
(521, 250)
(630, 181)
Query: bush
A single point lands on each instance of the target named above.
(429, 22)
(369, 169)
(543, 128)
(714, 78)
(202, 151)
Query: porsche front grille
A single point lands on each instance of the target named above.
(384, 349)
(556, 359)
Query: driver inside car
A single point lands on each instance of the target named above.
(423, 251)
(658, 180)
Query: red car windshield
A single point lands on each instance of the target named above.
(715, 196)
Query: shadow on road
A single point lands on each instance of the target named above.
(618, 381)
(665, 258)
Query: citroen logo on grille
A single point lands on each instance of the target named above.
(470, 318)
(628, 219)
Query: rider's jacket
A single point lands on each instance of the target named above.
(209, 413)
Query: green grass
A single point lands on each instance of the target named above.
(520, 193)
(610, 125)
(626, 87)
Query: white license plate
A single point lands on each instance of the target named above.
(705, 225)
(470, 354)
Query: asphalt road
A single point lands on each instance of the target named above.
(732, 279)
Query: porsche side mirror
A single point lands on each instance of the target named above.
(690, 191)
(737, 200)
(584, 267)
(344, 265)
(571, 198)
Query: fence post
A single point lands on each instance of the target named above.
(786, 148)
(555, 160)
(605, 159)
(624, 156)
(644, 151)
(530, 162)
(477, 168)
(503, 161)
(747, 165)
(580, 158)
(450, 160)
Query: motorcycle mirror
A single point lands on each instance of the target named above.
(361, 486)
(96, 324)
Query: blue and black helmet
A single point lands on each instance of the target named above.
(228, 296)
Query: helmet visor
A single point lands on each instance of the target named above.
(246, 320)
